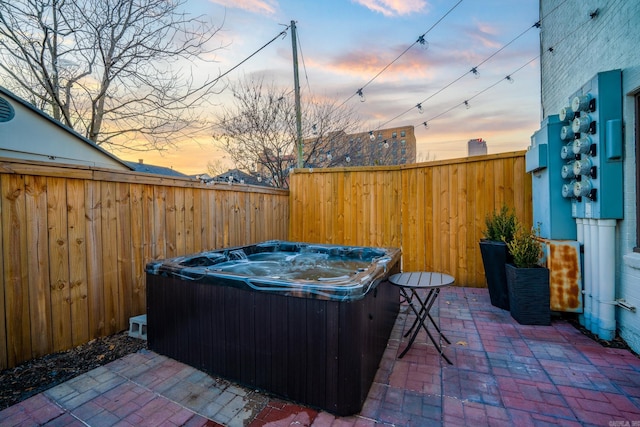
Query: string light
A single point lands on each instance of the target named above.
(348, 159)
(329, 155)
(466, 102)
(314, 129)
(371, 136)
(422, 42)
(509, 78)
(405, 51)
(361, 95)
(473, 70)
(386, 144)
(419, 106)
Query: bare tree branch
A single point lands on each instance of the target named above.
(259, 132)
(119, 72)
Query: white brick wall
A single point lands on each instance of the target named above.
(582, 47)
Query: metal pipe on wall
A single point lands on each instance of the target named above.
(595, 269)
(580, 239)
(607, 279)
(587, 274)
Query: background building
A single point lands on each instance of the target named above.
(392, 146)
(476, 147)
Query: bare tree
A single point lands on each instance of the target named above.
(117, 71)
(216, 167)
(259, 131)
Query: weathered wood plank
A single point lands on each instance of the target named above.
(59, 263)
(4, 363)
(77, 262)
(39, 284)
(140, 255)
(125, 255)
(16, 273)
(160, 222)
(109, 243)
(95, 267)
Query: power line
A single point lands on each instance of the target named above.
(420, 39)
(304, 66)
(473, 70)
(466, 101)
(282, 34)
(549, 50)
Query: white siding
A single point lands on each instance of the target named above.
(30, 136)
(582, 47)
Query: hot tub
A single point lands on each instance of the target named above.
(304, 321)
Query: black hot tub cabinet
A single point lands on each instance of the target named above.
(306, 322)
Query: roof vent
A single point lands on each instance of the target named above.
(6, 111)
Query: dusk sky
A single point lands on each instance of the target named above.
(343, 44)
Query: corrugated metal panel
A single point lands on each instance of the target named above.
(562, 258)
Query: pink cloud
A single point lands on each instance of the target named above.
(257, 6)
(367, 64)
(394, 7)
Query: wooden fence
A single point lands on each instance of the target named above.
(433, 211)
(75, 242)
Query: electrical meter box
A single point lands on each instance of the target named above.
(591, 134)
(551, 212)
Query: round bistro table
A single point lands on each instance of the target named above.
(410, 284)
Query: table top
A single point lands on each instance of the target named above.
(421, 279)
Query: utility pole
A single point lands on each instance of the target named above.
(296, 83)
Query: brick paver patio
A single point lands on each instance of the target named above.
(503, 374)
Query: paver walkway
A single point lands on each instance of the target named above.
(503, 374)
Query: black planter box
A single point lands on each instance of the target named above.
(529, 294)
(494, 257)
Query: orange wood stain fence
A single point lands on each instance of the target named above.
(75, 242)
(434, 212)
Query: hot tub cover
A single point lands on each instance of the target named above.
(296, 269)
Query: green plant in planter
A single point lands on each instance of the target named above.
(524, 247)
(527, 281)
(500, 225)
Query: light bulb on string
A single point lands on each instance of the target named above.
(314, 129)
(426, 125)
(348, 159)
(509, 79)
(259, 178)
(467, 105)
(371, 136)
(386, 144)
(361, 95)
(329, 155)
(422, 42)
(475, 72)
(420, 109)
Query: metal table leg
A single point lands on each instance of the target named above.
(421, 315)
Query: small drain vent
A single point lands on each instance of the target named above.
(6, 111)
